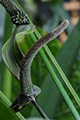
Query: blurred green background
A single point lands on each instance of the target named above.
(46, 15)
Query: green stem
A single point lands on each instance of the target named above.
(66, 81)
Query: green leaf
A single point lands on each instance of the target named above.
(9, 59)
(5, 112)
(8, 50)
